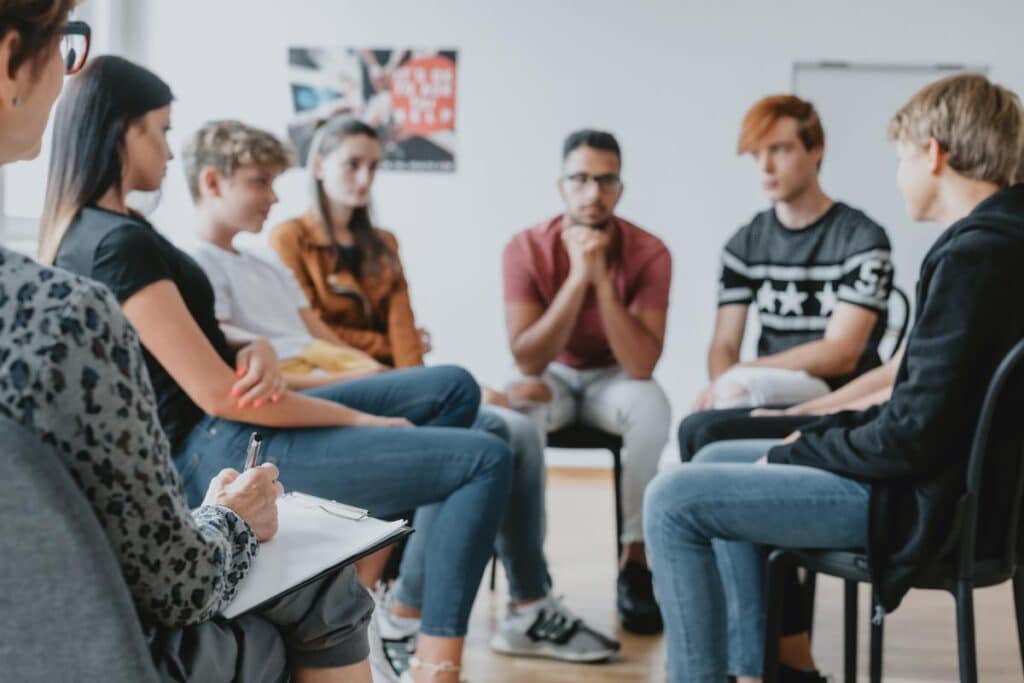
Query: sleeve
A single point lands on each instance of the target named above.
(377, 344)
(517, 276)
(181, 567)
(735, 286)
(867, 268)
(406, 349)
(655, 282)
(128, 260)
(292, 287)
(223, 302)
(949, 353)
(285, 243)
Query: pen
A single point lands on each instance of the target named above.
(252, 453)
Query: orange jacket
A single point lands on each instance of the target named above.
(372, 312)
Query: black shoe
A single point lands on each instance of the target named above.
(788, 674)
(638, 611)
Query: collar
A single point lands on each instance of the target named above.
(314, 230)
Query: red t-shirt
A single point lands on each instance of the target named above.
(535, 265)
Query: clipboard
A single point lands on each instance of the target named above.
(315, 537)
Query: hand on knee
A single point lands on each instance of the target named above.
(529, 391)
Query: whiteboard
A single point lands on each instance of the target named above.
(855, 103)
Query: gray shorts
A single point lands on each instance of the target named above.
(321, 625)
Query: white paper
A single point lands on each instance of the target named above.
(308, 542)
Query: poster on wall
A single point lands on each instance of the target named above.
(406, 94)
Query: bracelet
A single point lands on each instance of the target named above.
(442, 667)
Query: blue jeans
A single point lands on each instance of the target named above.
(705, 523)
(520, 542)
(390, 471)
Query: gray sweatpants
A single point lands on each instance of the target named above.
(320, 625)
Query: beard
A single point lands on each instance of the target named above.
(594, 224)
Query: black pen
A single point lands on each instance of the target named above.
(252, 454)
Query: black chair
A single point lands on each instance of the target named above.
(578, 436)
(900, 328)
(957, 571)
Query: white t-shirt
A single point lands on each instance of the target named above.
(258, 294)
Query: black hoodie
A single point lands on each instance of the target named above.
(913, 450)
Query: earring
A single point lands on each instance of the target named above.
(15, 102)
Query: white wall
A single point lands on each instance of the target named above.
(670, 78)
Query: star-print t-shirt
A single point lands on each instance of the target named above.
(796, 278)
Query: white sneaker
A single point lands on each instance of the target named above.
(548, 629)
(392, 640)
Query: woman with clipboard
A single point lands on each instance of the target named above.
(72, 371)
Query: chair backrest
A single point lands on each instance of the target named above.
(898, 319)
(65, 611)
(1000, 412)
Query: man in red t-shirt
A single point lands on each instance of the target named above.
(586, 295)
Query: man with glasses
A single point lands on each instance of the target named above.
(586, 295)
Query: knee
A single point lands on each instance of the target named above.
(689, 429)
(650, 408)
(461, 386)
(720, 451)
(663, 500)
(488, 421)
(495, 458)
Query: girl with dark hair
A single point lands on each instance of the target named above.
(109, 141)
(349, 269)
(73, 374)
(352, 275)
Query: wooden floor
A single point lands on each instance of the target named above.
(920, 637)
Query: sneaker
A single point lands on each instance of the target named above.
(548, 629)
(638, 610)
(790, 675)
(392, 640)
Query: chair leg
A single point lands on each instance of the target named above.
(877, 636)
(850, 609)
(617, 465)
(774, 593)
(494, 572)
(965, 632)
(810, 584)
(1018, 600)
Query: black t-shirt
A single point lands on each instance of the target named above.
(796, 278)
(127, 254)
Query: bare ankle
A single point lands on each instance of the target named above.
(404, 611)
(434, 672)
(634, 552)
(795, 652)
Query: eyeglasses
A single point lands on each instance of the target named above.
(74, 46)
(606, 182)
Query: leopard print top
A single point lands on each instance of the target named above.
(72, 370)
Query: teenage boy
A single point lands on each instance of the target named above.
(231, 168)
(886, 479)
(586, 295)
(818, 271)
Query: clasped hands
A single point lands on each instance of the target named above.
(587, 248)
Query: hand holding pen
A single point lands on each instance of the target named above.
(252, 494)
